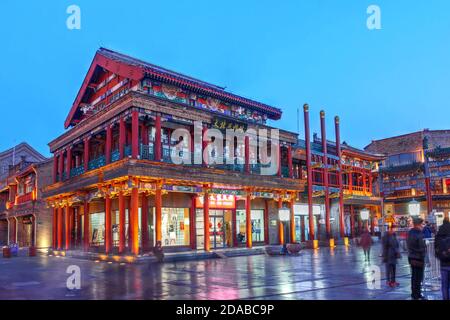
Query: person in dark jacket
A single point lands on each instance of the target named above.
(365, 243)
(391, 252)
(443, 235)
(416, 258)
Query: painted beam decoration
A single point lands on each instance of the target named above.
(175, 94)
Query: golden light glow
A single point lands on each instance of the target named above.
(332, 245)
(129, 259)
(116, 258)
(315, 244)
(346, 242)
(103, 257)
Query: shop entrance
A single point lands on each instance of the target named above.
(220, 229)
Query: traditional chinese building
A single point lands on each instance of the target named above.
(24, 216)
(116, 187)
(341, 185)
(416, 169)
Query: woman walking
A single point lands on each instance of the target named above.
(391, 252)
(366, 243)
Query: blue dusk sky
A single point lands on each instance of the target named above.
(285, 53)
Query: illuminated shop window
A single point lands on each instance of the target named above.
(175, 226)
(257, 217)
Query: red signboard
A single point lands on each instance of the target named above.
(218, 201)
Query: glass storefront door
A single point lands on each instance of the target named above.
(220, 229)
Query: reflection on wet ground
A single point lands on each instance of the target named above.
(339, 273)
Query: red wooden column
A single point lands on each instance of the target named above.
(69, 162)
(54, 229)
(309, 173)
(325, 175)
(266, 221)
(60, 228)
(341, 187)
(292, 222)
(79, 231)
(350, 180)
(144, 223)
(134, 222)
(247, 154)
(280, 224)
(363, 177)
(108, 225)
(206, 219)
(370, 182)
(204, 146)
(86, 154)
(352, 221)
(122, 137)
(248, 220)
(279, 160)
(55, 167)
(158, 212)
(61, 166)
(108, 144)
(192, 223)
(302, 226)
(86, 226)
(122, 220)
(157, 146)
(135, 134)
(67, 230)
(289, 158)
(144, 134)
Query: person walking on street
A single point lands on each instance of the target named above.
(442, 249)
(391, 253)
(366, 243)
(416, 258)
(427, 231)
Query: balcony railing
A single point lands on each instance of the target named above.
(24, 198)
(77, 171)
(97, 163)
(115, 156)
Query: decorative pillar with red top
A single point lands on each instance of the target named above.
(309, 173)
(108, 144)
(325, 175)
(158, 141)
(108, 225)
(86, 154)
(206, 218)
(122, 137)
(86, 226)
(247, 154)
(158, 212)
(341, 188)
(192, 219)
(135, 134)
(134, 222)
(69, 162)
(122, 236)
(289, 158)
(67, 228)
(248, 220)
(144, 223)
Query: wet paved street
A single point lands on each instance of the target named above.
(323, 274)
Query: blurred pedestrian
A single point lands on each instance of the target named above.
(391, 253)
(427, 231)
(442, 249)
(416, 258)
(366, 243)
(158, 251)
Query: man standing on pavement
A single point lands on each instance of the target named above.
(442, 248)
(416, 258)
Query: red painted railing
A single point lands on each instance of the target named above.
(25, 198)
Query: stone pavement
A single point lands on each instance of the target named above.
(324, 274)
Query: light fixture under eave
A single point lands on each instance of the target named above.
(364, 214)
(284, 214)
(414, 208)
